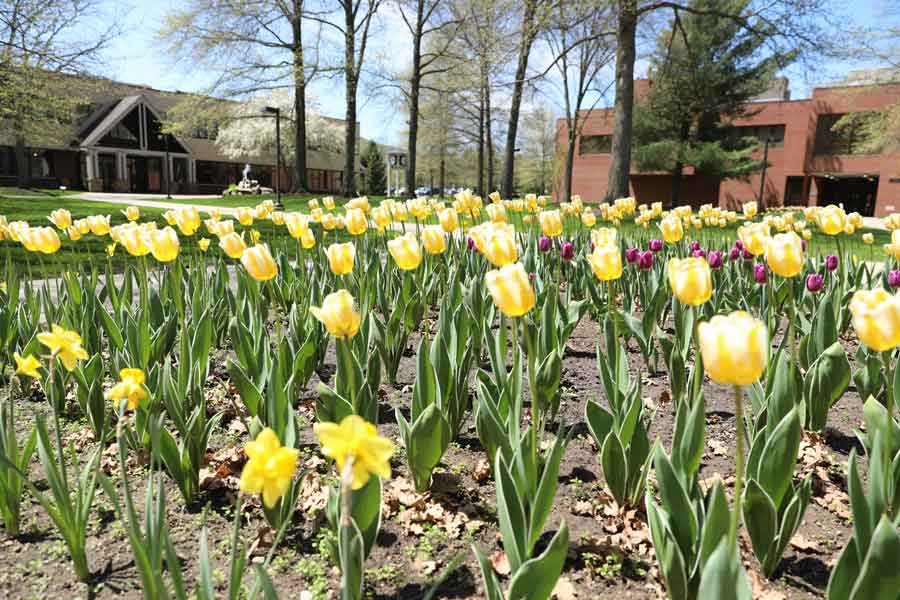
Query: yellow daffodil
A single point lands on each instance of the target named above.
(132, 213)
(232, 245)
(672, 229)
(341, 257)
(406, 250)
(434, 239)
(27, 366)
(784, 254)
(164, 244)
(735, 348)
(270, 467)
(876, 318)
(551, 222)
(61, 218)
(606, 262)
(356, 442)
(338, 315)
(130, 387)
(690, 280)
(511, 290)
(64, 345)
(259, 262)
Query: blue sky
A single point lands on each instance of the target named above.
(136, 57)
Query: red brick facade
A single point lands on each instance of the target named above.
(808, 164)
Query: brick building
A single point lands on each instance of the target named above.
(808, 163)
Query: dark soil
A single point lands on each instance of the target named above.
(610, 551)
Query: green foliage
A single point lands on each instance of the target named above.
(376, 178)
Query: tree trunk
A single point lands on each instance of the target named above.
(570, 164)
(301, 183)
(623, 107)
(414, 84)
(507, 184)
(442, 176)
(352, 77)
(489, 136)
(481, 143)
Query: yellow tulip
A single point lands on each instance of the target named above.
(784, 254)
(750, 209)
(356, 441)
(341, 257)
(328, 202)
(244, 216)
(361, 202)
(64, 345)
(338, 315)
(313, 204)
(406, 251)
(606, 262)
(259, 262)
(511, 290)
(494, 197)
(588, 219)
(254, 236)
(132, 213)
(188, 220)
(604, 236)
(296, 223)
(329, 222)
(111, 249)
(672, 229)
(130, 387)
(434, 239)
(270, 467)
(61, 218)
(307, 239)
(690, 280)
(82, 226)
(73, 233)
(755, 237)
(232, 244)
(876, 318)
(449, 219)
(868, 239)
(735, 348)
(164, 244)
(355, 221)
(41, 239)
(496, 213)
(170, 218)
(135, 241)
(807, 234)
(223, 228)
(551, 223)
(215, 214)
(98, 224)
(27, 366)
(499, 247)
(832, 219)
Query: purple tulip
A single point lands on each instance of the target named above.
(894, 279)
(759, 273)
(803, 245)
(831, 262)
(739, 244)
(695, 245)
(631, 255)
(655, 245)
(734, 253)
(645, 260)
(544, 243)
(699, 253)
(471, 243)
(567, 250)
(715, 259)
(746, 254)
(815, 283)
(532, 276)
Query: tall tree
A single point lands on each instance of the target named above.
(527, 34)
(704, 71)
(373, 161)
(807, 26)
(40, 42)
(251, 46)
(352, 20)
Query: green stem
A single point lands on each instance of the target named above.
(59, 444)
(792, 310)
(739, 466)
(889, 380)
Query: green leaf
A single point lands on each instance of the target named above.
(675, 502)
(723, 576)
(825, 382)
(879, 577)
(716, 523)
(779, 456)
(537, 577)
(599, 421)
(511, 515)
(491, 585)
(760, 519)
(428, 439)
(845, 573)
(668, 553)
(615, 469)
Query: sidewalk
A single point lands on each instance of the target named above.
(153, 201)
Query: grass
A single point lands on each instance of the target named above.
(292, 202)
(36, 192)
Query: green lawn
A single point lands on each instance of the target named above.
(292, 202)
(46, 193)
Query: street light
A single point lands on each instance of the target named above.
(163, 137)
(271, 110)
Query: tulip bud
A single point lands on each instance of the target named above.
(606, 262)
(631, 255)
(338, 315)
(510, 288)
(734, 253)
(894, 279)
(815, 283)
(341, 257)
(695, 245)
(715, 259)
(406, 251)
(690, 280)
(470, 242)
(259, 262)
(739, 244)
(645, 261)
(831, 262)
(803, 244)
(735, 348)
(746, 255)
(759, 273)
(543, 243)
(567, 250)
(699, 253)
(655, 245)
(551, 222)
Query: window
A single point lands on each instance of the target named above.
(793, 192)
(7, 160)
(845, 140)
(220, 173)
(126, 133)
(595, 144)
(774, 133)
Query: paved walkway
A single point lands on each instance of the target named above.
(154, 201)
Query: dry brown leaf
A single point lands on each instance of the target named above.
(482, 471)
(564, 590)
(798, 542)
(500, 562)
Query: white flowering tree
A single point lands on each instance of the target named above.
(250, 132)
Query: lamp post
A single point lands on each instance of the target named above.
(167, 174)
(271, 110)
